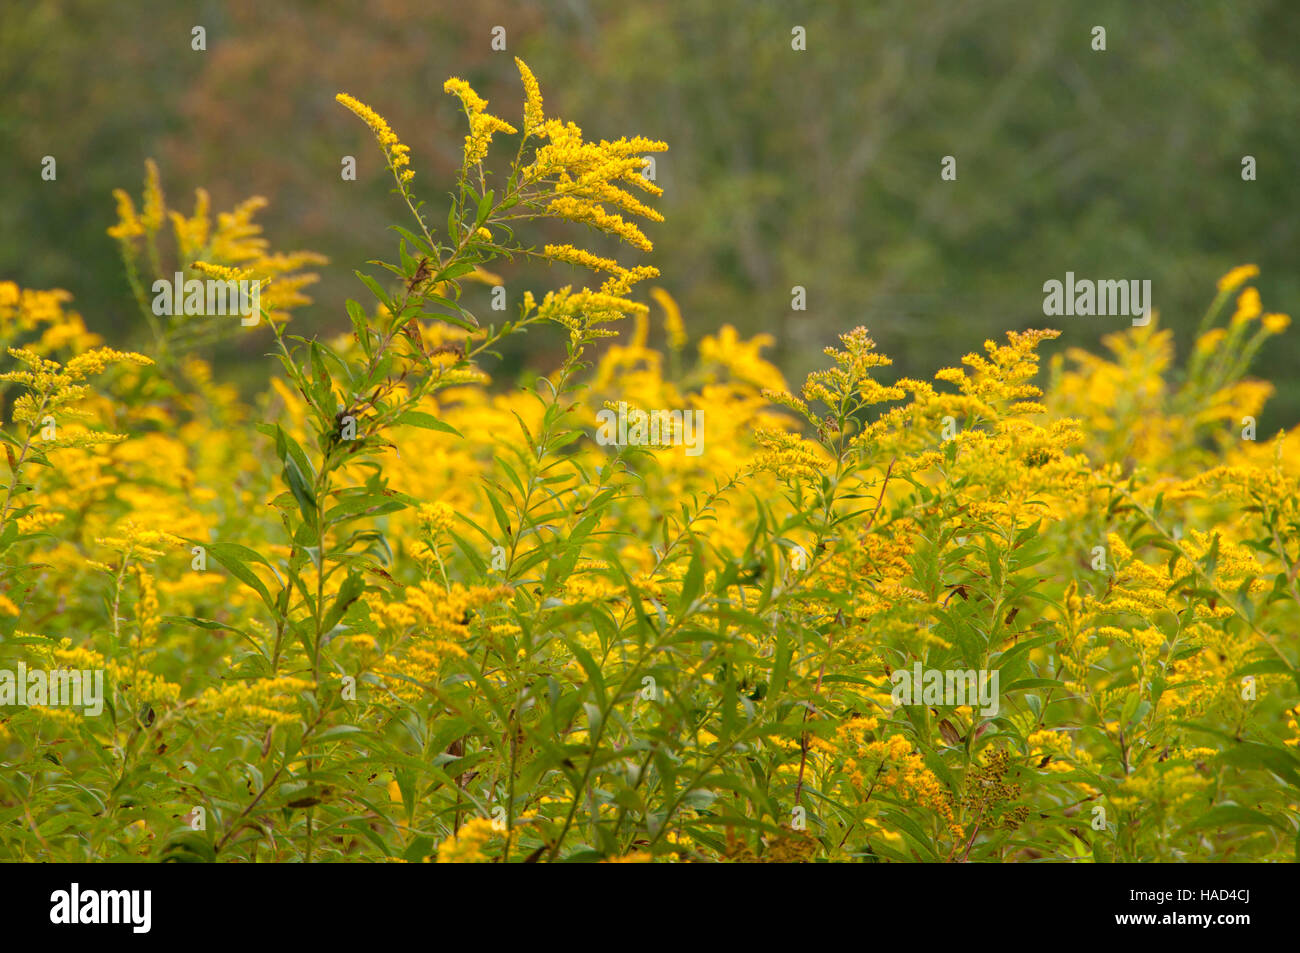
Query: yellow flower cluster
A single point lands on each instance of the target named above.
(235, 249)
(269, 700)
(467, 845)
(892, 766)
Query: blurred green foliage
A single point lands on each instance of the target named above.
(817, 168)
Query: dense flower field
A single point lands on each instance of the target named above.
(396, 610)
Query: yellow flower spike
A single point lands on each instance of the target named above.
(222, 272)
(589, 213)
(533, 114)
(128, 223)
(93, 362)
(1237, 277)
(1248, 307)
(192, 233)
(482, 127)
(473, 102)
(378, 125)
(155, 208)
(578, 256)
(673, 325)
(397, 154)
(1208, 342)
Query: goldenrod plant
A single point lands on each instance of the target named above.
(396, 610)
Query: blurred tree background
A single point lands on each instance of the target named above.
(817, 168)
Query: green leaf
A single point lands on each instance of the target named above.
(484, 208)
(377, 291)
(301, 492)
(360, 325)
(1231, 814)
(455, 271)
(417, 418)
(351, 590)
(235, 558)
(1250, 754)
